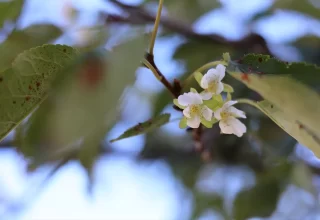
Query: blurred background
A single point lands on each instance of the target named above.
(265, 174)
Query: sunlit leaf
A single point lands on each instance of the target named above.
(298, 101)
(291, 126)
(144, 127)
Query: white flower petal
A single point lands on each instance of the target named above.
(219, 88)
(204, 82)
(193, 122)
(184, 99)
(206, 95)
(232, 126)
(236, 112)
(186, 112)
(221, 69)
(228, 104)
(217, 114)
(206, 113)
(196, 98)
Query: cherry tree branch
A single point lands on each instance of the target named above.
(140, 16)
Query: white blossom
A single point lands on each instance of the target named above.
(194, 109)
(229, 124)
(211, 82)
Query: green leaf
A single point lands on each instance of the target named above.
(299, 102)
(206, 123)
(227, 88)
(229, 96)
(144, 127)
(261, 200)
(183, 123)
(193, 90)
(198, 76)
(214, 103)
(21, 40)
(265, 65)
(90, 92)
(83, 103)
(196, 53)
(25, 85)
(10, 11)
(291, 126)
(204, 202)
(160, 101)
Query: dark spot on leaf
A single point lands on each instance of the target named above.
(30, 87)
(300, 126)
(27, 98)
(260, 59)
(1, 79)
(64, 50)
(245, 77)
(271, 106)
(14, 102)
(38, 84)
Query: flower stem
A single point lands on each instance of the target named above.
(155, 28)
(202, 68)
(156, 72)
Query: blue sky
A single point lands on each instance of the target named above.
(125, 189)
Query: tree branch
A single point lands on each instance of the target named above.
(140, 16)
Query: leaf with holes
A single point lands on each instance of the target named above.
(24, 86)
(144, 127)
(296, 100)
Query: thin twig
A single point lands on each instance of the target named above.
(155, 28)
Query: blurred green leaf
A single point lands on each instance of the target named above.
(161, 100)
(195, 53)
(290, 125)
(303, 6)
(261, 200)
(204, 202)
(21, 40)
(89, 92)
(83, 104)
(298, 101)
(24, 86)
(10, 11)
(144, 127)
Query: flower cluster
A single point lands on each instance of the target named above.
(208, 106)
